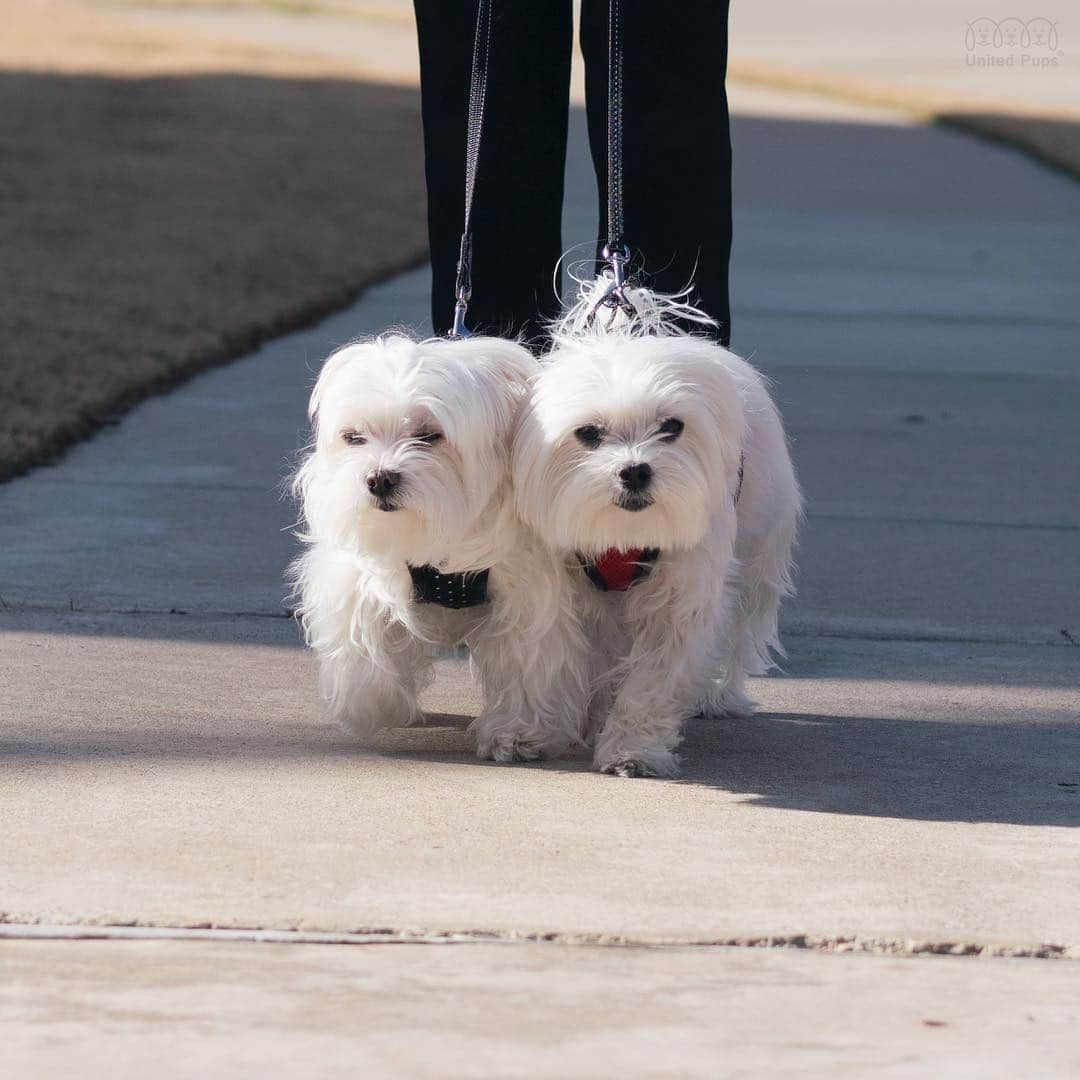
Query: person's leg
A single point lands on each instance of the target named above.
(676, 142)
(517, 213)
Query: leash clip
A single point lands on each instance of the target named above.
(459, 330)
(462, 288)
(614, 296)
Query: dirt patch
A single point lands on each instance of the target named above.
(152, 227)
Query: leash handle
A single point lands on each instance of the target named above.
(478, 81)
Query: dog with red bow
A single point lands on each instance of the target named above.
(654, 462)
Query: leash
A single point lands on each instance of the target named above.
(467, 589)
(477, 97)
(615, 570)
(616, 252)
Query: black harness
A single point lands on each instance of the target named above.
(461, 590)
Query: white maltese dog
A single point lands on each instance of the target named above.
(654, 462)
(414, 543)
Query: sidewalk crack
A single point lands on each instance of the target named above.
(11, 929)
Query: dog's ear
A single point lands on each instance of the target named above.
(725, 382)
(506, 360)
(331, 367)
(505, 367)
(355, 354)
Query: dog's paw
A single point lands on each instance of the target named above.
(504, 742)
(658, 762)
(628, 769)
(366, 723)
(725, 702)
(505, 751)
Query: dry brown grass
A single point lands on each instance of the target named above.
(152, 226)
(98, 38)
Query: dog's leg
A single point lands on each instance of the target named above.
(365, 692)
(665, 675)
(533, 665)
(608, 641)
(752, 639)
(725, 694)
(371, 668)
(726, 697)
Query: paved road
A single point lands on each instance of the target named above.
(912, 783)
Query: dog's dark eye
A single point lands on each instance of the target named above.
(352, 437)
(429, 437)
(590, 435)
(671, 429)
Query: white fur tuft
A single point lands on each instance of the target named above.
(655, 313)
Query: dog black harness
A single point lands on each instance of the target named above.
(461, 590)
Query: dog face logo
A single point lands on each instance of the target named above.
(1012, 33)
(981, 33)
(411, 441)
(628, 442)
(1042, 34)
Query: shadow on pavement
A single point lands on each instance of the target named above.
(924, 770)
(928, 770)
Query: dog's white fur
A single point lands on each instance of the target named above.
(452, 509)
(683, 639)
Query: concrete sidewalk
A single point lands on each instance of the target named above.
(911, 785)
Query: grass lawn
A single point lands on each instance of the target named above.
(154, 225)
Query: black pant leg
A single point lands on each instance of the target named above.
(517, 214)
(676, 142)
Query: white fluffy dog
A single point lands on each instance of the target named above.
(655, 463)
(408, 516)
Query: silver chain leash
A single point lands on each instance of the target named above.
(477, 99)
(616, 252)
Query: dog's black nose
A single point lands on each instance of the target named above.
(382, 483)
(636, 477)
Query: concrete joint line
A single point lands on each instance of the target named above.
(874, 946)
(208, 614)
